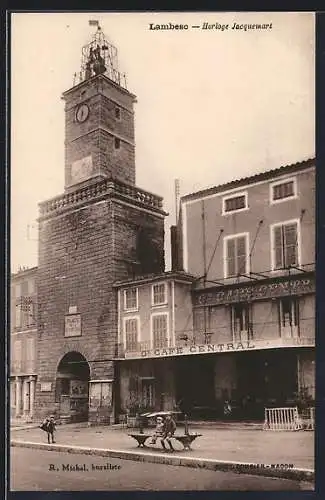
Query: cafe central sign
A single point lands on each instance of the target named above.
(255, 292)
(221, 347)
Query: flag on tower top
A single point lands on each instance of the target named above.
(93, 22)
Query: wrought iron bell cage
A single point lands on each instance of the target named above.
(99, 56)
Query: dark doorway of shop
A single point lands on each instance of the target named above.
(72, 383)
(195, 386)
(265, 379)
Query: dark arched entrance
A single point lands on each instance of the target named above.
(72, 386)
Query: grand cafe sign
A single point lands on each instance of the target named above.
(255, 292)
(221, 347)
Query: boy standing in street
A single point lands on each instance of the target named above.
(49, 426)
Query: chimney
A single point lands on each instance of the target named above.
(174, 248)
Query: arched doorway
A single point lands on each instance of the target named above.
(72, 386)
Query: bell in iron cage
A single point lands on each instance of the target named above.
(99, 63)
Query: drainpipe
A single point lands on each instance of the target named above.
(173, 316)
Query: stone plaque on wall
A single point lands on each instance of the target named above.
(46, 387)
(72, 326)
(81, 169)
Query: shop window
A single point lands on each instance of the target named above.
(131, 331)
(234, 203)
(285, 239)
(148, 393)
(289, 317)
(236, 255)
(240, 322)
(281, 191)
(159, 323)
(100, 394)
(131, 299)
(159, 294)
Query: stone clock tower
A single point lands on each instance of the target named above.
(99, 127)
(101, 229)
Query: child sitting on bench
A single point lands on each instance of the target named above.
(159, 430)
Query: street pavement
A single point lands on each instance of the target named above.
(248, 445)
(38, 470)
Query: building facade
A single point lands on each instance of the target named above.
(23, 345)
(252, 244)
(101, 229)
(152, 311)
(239, 324)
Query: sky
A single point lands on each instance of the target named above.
(212, 105)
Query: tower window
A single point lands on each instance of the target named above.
(117, 143)
(118, 113)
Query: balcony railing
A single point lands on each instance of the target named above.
(98, 189)
(160, 343)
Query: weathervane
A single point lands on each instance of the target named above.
(100, 57)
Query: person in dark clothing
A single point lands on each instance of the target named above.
(49, 426)
(168, 432)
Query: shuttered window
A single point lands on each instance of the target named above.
(30, 354)
(160, 331)
(131, 334)
(17, 355)
(285, 245)
(131, 299)
(235, 203)
(236, 256)
(159, 294)
(283, 190)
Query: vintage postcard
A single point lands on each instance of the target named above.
(162, 326)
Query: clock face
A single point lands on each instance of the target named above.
(82, 113)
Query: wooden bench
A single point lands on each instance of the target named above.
(185, 439)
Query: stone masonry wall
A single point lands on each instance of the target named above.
(81, 253)
(95, 136)
(75, 269)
